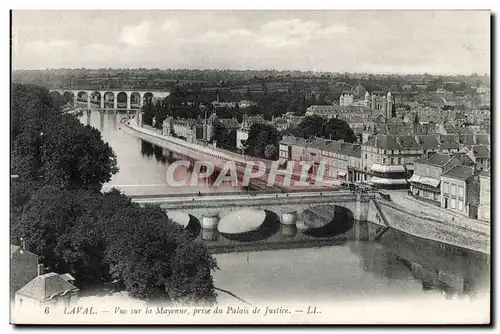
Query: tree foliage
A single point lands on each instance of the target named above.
(259, 137)
(271, 152)
(55, 147)
(317, 126)
(57, 208)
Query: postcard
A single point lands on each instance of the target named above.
(250, 167)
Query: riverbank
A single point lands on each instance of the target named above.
(219, 157)
(423, 223)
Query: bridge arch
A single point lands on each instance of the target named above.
(122, 100)
(135, 100)
(109, 99)
(70, 96)
(96, 98)
(147, 97)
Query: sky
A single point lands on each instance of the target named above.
(434, 42)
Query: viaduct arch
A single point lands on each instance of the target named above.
(110, 99)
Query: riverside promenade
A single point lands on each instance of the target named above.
(426, 221)
(219, 156)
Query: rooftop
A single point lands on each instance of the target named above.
(437, 159)
(46, 286)
(460, 172)
(481, 151)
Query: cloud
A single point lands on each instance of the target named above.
(295, 32)
(356, 40)
(136, 35)
(171, 26)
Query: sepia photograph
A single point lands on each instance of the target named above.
(250, 167)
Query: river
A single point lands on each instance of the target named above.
(143, 166)
(398, 266)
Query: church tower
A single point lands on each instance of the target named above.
(389, 105)
(384, 105)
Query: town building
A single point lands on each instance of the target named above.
(24, 267)
(426, 178)
(326, 111)
(47, 290)
(460, 191)
(188, 129)
(387, 161)
(484, 195)
(480, 155)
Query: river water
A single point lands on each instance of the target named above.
(398, 266)
(143, 166)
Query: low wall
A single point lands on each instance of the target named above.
(459, 235)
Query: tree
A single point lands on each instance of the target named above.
(56, 147)
(220, 132)
(337, 129)
(47, 225)
(259, 136)
(270, 152)
(310, 126)
(75, 156)
(317, 126)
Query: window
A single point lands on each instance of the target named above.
(445, 187)
(460, 205)
(399, 161)
(366, 156)
(453, 190)
(453, 203)
(385, 160)
(460, 191)
(392, 161)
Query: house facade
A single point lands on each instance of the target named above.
(484, 196)
(426, 178)
(457, 190)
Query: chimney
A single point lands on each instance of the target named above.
(23, 243)
(40, 269)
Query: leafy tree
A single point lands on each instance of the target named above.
(75, 156)
(317, 126)
(337, 129)
(55, 147)
(271, 152)
(310, 126)
(259, 136)
(191, 280)
(46, 225)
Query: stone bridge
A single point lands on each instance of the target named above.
(109, 98)
(289, 207)
(371, 207)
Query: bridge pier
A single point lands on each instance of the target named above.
(362, 206)
(209, 222)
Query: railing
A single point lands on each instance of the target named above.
(250, 192)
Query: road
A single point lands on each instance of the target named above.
(229, 196)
